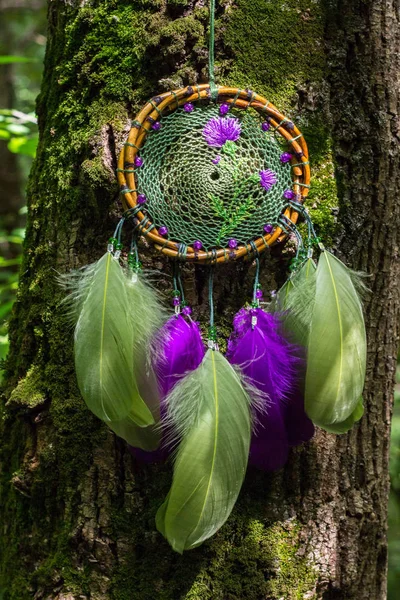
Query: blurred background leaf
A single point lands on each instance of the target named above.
(7, 60)
(394, 501)
(22, 46)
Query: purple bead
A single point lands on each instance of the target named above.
(265, 126)
(163, 230)
(186, 310)
(232, 243)
(141, 199)
(268, 228)
(259, 294)
(285, 157)
(176, 301)
(156, 126)
(138, 161)
(223, 109)
(197, 245)
(289, 194)
(188, 107)
(216, 160)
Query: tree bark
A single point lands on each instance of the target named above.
(77, 510)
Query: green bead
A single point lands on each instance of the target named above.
(212, 333)
(134, 265)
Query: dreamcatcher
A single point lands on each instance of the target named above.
(214, 174)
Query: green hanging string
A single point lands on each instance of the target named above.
(256, 283)
(211, 74)
(177, 281)
(212, 331)
(134, 263)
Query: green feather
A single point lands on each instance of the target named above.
(146, 438)
(336, 357)
(147, 316)
(104, 340)
(210, 411)
(344, 426)
(295, 302)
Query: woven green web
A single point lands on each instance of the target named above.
(178, 179)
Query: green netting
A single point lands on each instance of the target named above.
(199, 200)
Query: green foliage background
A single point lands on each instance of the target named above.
(394, 501)
(25, 30)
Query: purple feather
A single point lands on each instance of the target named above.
(270, 363)
(181, 350)
(299, 427)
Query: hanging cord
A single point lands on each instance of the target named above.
(134, 264)
(211, 70)
(114, 245)
(118, 229)
(212, 331)
(178, 293)
(180, 286)
(312, 238)
(256, 297)
(289, 226)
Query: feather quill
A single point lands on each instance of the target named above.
(210, 410)
(336, 357)
(104, 341)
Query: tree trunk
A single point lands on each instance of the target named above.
(77, 510)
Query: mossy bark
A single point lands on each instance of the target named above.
(77, 511)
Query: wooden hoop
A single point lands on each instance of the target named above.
(243, 99)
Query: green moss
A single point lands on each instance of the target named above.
(29, 391)
(322, 200)
(270, 562)
(276, 46)
(267, 563)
